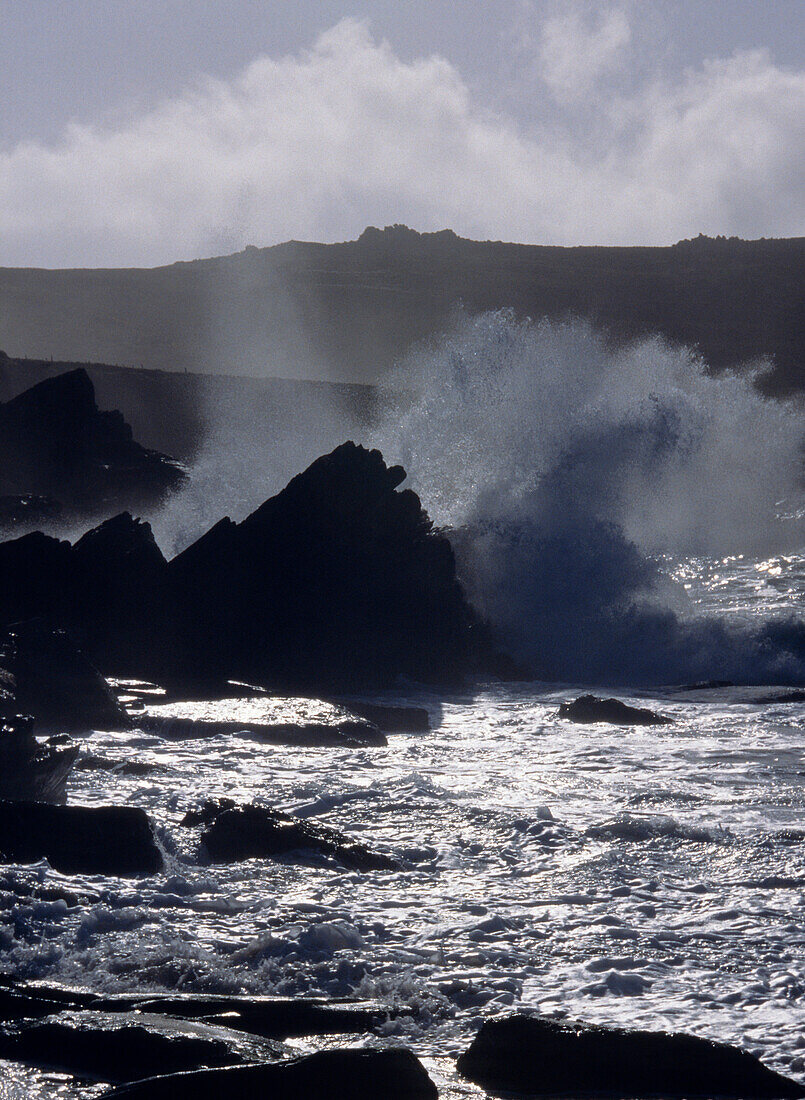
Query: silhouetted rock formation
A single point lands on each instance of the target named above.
(366, 302)
(103, 840)
(541, 1057)
(109, 592)
(55, 684)
(63, 458)
(354, 1074)
(256, 832)
(338, 583)
(591, 708)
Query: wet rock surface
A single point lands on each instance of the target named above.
(106, 840)
(126, 1046)
(392, 1074)
(543, 1057)
(262, 1016)
(233, 832)
(592, 708)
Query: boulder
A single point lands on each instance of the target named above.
(126, 1046)
(102, 840)
(62, 455)
(235, 833)
(591, 708)
(351, 1074)
(542, 1057)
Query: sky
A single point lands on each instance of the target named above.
(141, 132)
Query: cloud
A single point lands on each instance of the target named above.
(576, 52)
(346, 134)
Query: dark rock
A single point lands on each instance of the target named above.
(55, 683)
(343, 734)
(31, 770)
(590, 708)
(338, 582)
(109, 592)
(269, 1017)
(390, 719)
(103, 840)
(391, 1074)
(543, 1057)
(126, 1046)
(266, 1017)
(256, 832)
(58, 447)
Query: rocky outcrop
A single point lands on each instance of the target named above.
(102, 840)
(352, 1074)
(338, 583)
(542, 1057)
(55, 684)
(64, 458)
(591, 708)
(109, 591)
(256, 832)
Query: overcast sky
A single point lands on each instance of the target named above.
(138, 132)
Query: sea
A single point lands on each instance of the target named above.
(631, 525)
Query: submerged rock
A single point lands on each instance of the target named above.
(126, 1046)
(351, 1074)
(591, 708)
(102, 840)
(541, 1057)
(235, 833)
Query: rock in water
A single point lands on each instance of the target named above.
(540, 1057)
(58, 447)
(590, 708)
(338, 582)
(256, 832)
(126, 1046)
(102, 840)
(55, 684)
(391, 1074)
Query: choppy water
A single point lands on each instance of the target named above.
(645, 876)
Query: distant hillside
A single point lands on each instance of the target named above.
(345, 312)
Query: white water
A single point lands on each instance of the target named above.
(651, 877)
